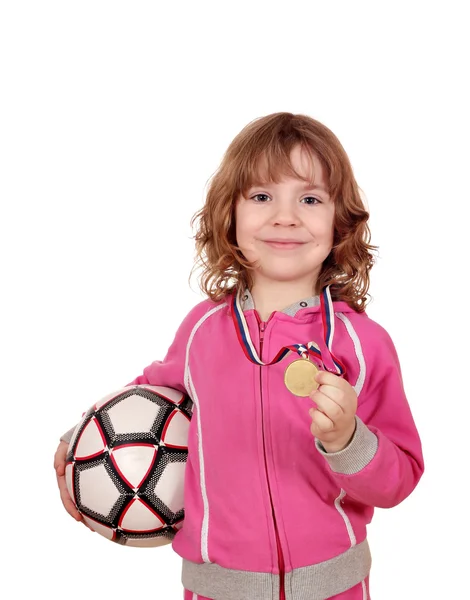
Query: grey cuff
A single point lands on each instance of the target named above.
(357, 454)
(67, 436)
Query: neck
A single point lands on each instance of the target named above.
(269, 296)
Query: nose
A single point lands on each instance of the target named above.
(285, 214)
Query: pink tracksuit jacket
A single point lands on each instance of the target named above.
(268, 513)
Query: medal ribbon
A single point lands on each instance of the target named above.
(311, 349)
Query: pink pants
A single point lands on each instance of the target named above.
(358, 592)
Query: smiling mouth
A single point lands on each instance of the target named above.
(284, 245)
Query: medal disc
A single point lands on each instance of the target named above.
(300, 377)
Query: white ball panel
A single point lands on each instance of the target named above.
(90, 443)
(177, 430)
(107, 532)
(97, 490)
(77, 429)
(108, 397)
(139, 517)
(134, 462)
(133, 415)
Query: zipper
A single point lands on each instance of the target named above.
(282, 594)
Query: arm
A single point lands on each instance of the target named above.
(383, 462)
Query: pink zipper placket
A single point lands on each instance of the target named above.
(282, 595)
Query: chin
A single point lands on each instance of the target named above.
(285, 276)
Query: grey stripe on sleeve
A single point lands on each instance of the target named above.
(357, 455)
(67, 436)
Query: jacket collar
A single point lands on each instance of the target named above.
(292, 310)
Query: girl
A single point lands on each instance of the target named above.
(301, 425)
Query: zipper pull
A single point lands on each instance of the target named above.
(262, 327)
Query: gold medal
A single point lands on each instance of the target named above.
(300, 377)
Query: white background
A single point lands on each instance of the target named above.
(113, 117)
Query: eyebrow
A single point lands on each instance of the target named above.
(307, 186)
(304, 188)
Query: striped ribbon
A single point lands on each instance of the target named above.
(309, 350)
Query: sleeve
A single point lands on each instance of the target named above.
(383, 462)
(168, 372)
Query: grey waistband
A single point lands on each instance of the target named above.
(316, 582)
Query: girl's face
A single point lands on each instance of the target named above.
(286, 229)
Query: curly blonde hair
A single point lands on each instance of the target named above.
(270, 139)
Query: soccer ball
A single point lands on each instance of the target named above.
(126, 462)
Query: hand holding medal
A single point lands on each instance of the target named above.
(333, 419)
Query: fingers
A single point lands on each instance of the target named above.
(320, 422)
(334, 395)
(330, 407)
(333, 418)
(328, 414)
(67, 500)
(59, 458)
(59, 466)
(69, 504)
(327, 378)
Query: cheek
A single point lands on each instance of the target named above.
(329, 227)
(238, 224)
(323, 230)
(242, 235)
(246, 241)
(240, 228)
(245, 227)
(331, 233)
